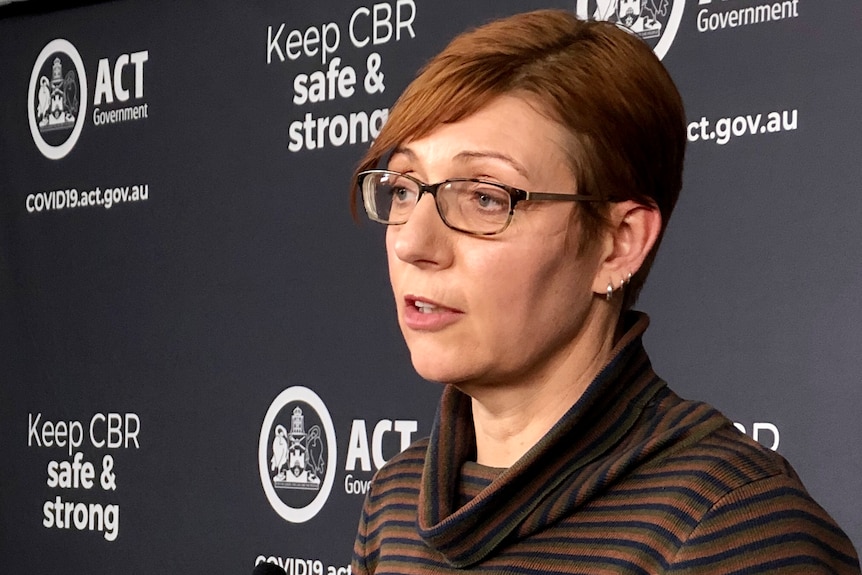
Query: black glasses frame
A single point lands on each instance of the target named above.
(516, 195)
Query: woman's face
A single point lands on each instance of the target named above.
(495, 309)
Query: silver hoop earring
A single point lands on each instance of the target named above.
(610, 291)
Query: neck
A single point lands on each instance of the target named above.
(511, 417)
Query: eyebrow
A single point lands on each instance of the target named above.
(468, 155)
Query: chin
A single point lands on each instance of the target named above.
(446, 357)
(438, 368)
(431, 372)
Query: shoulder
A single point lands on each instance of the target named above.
(410, 458)
(749, 510)
(401, 473)
(695, 443)
(725, 459)
(769, 524)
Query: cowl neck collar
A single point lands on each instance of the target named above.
(549, 481)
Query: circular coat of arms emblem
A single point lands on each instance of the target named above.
(297, 454)
(57, 99)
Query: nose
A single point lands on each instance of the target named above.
(424, 240)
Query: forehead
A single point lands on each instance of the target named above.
(509, 131)
(466, 157)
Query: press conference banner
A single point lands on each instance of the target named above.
(201, 367)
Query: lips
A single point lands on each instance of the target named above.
(422, 314)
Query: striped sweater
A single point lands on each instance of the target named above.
(632, 479)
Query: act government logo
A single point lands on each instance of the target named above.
(654, 21)
(297, 454)
(57, 99)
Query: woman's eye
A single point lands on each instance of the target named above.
(400, 193)
(491, 200)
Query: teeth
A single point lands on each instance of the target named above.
(424, 307)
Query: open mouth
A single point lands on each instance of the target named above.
(425, 307)
(425, 315)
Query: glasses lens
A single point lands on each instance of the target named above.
(389, 197)
(476, 207)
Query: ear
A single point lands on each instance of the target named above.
(632, 232)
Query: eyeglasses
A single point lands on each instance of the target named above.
(468, 205)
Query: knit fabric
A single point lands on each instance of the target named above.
(632, 479)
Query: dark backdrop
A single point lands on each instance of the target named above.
(186, 327)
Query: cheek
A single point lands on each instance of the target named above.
(389, 241)
(507, 284)
(537, 287)
(391, 259)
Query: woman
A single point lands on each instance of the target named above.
(528, 174)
